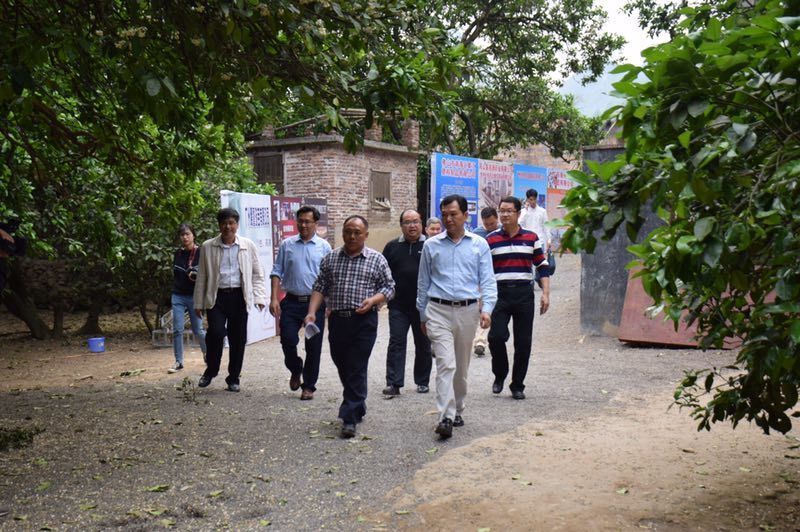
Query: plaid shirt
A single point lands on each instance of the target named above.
(347, 281)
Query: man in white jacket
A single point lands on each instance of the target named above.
(229, 283)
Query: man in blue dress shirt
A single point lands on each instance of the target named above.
(295, 270)
(454, 272)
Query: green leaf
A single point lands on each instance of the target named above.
(794, 331)
(697, 107)
(153, 86)
(158, 488)
(685, 138)
(683, 244)
(712, 252)
(703, 227)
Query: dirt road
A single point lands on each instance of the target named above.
(592, 447)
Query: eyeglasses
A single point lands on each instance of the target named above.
(412, 222)
(306, 222)
(507, 213)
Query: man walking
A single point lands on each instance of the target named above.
(403, 256)
(355, 279)
(229, 283)
(295, 270)
(490, 223)
(455, 270)
(515, 254)
(534, 218)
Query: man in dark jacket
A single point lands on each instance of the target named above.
(403, 256)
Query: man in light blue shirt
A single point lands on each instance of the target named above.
(455, 271)
(295, 270)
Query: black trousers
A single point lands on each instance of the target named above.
(227, 318)
(517, 302)
(351, 340)
(292, 315)
(399, 322)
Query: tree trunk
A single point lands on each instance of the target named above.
(145, 319)
(20, 305)
(58, 322)
(92, 324)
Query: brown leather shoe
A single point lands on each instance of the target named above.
(294, 382)
(306, 395)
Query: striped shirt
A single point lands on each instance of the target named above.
(347, 281)
(515, 257)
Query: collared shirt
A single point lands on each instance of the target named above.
(456, 271)
(515, 257)
(403, 258)
(481, 232)
(347, 281)
(297, 263)
(229, 275)
(534, 219)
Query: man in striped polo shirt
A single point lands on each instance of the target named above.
(515, 254)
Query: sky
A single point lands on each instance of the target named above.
(593, 99)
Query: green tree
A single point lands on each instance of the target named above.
(505, 94)
(712, 144)
(112, 112)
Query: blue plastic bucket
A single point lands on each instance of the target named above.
(97, 345)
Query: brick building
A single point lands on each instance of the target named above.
(378, 182)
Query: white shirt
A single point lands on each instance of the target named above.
(533, 219)
(229, 276)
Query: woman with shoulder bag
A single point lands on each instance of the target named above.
(184, 269)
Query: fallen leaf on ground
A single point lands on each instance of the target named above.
(744, 469)
(402, 512)
(215, 493)
(622, 491)
(514, 477)
(158, 489)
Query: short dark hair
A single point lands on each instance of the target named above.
(406, 211)
(308, 208)
(531, 193)
(511, 199)
(186, 227)
(447, 200)
(488, 212)
(356, 217)
(227, 212)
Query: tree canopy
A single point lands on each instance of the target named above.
(711, 128)
(506, 93)
(118, 119)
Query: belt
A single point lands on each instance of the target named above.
(465, 303)
(299, 299)
(514, 284)
(226, 290)
(349, 313)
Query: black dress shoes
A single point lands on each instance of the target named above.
(458, 421)
(497, 387)
(348, 430)
(518, 394)
(445, 428)
(234, 388)
(391, 390)
(203, 382)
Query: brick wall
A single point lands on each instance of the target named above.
(327, 171)
(538, 155)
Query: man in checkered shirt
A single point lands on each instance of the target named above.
(355, 280)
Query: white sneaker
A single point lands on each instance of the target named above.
(176, 367)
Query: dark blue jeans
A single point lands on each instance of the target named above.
(292, 314)
(227, 318)
(515, 302)
(351, 341)
(399, 322)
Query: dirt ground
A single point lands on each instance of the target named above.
(592, 448)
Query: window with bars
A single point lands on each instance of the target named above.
(380, 189)
(269, 169)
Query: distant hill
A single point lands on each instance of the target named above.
(593, 98)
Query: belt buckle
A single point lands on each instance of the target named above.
(303, 299)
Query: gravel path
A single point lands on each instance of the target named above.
(139, 455)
